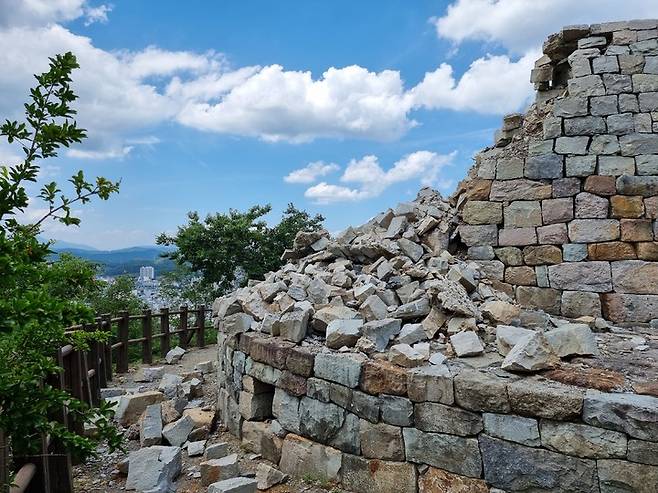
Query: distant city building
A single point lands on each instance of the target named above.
(146, 273)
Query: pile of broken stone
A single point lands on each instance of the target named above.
(172, 419)
(392, 289)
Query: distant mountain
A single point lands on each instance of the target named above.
(61, 245)
(124, 260)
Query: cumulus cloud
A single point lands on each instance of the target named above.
(370, 180)
(97, 14)
(522, 25)
(311, 172)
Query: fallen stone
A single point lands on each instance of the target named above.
(572, 339)
(411, 334)
(466, 344)
(234, 485)
(531, 353)
(268, 476)
(204, 367)
(405, 355)
(176, 433)
(382, 331)
(219, 469)
(216, 450)
(169, 385)
(174, 355)
(507, 336)
(195, 449)
(343, 333)
(150, 428)
(153, 469)
(132, 406)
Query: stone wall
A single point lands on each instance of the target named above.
(373, 426)
(562, 210)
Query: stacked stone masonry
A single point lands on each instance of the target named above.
(564, 208)
(376, 427)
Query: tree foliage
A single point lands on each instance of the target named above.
(227, 249)
(37, 302)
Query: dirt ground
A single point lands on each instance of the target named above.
(100, 474)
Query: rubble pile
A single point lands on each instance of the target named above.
(391, 289)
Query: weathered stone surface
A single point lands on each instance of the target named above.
(636, 415)
(381, 441)
(510, 190)
(545, 399)
(600, 185)
(581, 276)
(531, 353)
(405, 355)
(382, 377)
(176, 433)
(431, 383)
(619, 475)
(215, 470)
(580, 303)
(285, 408)
(344, 369)
(300, 361)
(507, 336)
(293, 325)
(582, 440)
(268, 476)
(512, 428)
(591, 206)
(319, 421)
(482, 212)
(438, 418)
(514, 467)
(382, 331)
(439, 481)
(132, 406)
(300, 457)
(479, 235)
(395, 410)
(360, 474)
(647, 186)
(636, 230)
(593, 230)
(542, 255)
(466, 344)
(521, 276)
(572, 339)
(643, 452)
(452, 453)
(154, 469)
(343, 333)
(234, 485)
(517, 236)
(629, 307)
(612, 250)
(150, 429)
(479, 391)
(635, 277)
(546, 299)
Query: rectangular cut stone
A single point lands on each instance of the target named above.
(478, 391)
(557, 210)
(647, 186)
(509, 169)
(431, 384)
(574, 252)
(566, 187)
(600, 185)
(616, 165)
(590, 85)
(546, 299)
(620, 475)
(604, 105)
(580, 165)
(612, 250)
(627, 206)
(635, 277)
(648, 101)
(645, 83)
(635, 144)
(633, 414)
(359, 474)
(582, 440)
(621, 124)
(300, 457)
(630, 307)
(647, 250)
(509, 190)
(570, 107)
(452, 453)
(517, 237)
(344, 369)
(581, 276)
(542, 398)
(482, 212)
(512, 428)
(553, 234)
(479, 235)
(617, 83)
(593, 230)
(513, 467)
(571, 145)
(585, 125)
(647, 165)
(544, 166)
(636, 230)
(522, 214)
(580, 303)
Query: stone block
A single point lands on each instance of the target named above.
(593, 230)
(509, 255)
(154, 469)
(574, 252)
(580, 165)
(569, 107)
(636, 144)
(566, 187)
(580, 303)
(542, 255)
(300, 361)
(590, 206)
(132, 406)
(628, 102)
(621, 124)
(603, 105)
(270, 351)
(509, 169)
(537, 397)
(517, 236)
(482, 212)
(546, 299)
(215, 470)
(150, 429)
(359, 474)
(582, 440)
(319, 421)
(510, 190)
(629, 307)
(646, 165)
(589, 85)
(635, 415)
(344, 369)
(613, 250)
(627, 206)
(259, 438)
(601, 185)
(581, 276)
(571, 145)
(381, 441)
(439, 481)
(430, 383)
(521, 276)
(617, 83)
(553, 234)
(605, 64)
(544, 166)
(479, 235)
(512, 428)
(636, 230)
(619, 475)
(395, 410)
(300, 457)
(382, 377)
(557, 210)
(643, 452)
(481, 253)
(452, 453)
(604, 144)
(616, 165)
(647, 250)
(647, 186)
(439, 418)
(635, 277)
(285, 409)
(584, 125)
(514, 467)
(479, 391)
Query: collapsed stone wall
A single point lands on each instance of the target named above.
(562, 210)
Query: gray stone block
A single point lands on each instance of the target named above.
(512, 428)
(582, 440)
(344, 369)
(452, 453)
(438, 418)
(635, 415)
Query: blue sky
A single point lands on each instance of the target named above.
(207, 106)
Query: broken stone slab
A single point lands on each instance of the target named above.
(169, 384)
(531, 353)
(176, 433)
(195, 449)
(150, 428)
(572, 339)
(382, 331)
(466, 344)
(411, 334)
(437, 359)
(343, 333)
(635, 415)
(268, 476)
(293, 325)
(205, 367)
(415, 309)
(215, 470)
(154, 469)
(500, 312)
(174, 355)
(326, 315)
(149, 374)
(216, 450)
(344, 369)
(405, 355)
(373, 308)
(508, 335)
(234, 485)
(132, 406)
(112, 392)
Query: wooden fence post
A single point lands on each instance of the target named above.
(106, 324)
(4, 463)
(165, 339)
(147, 334)
(94, 364)
(122, 353)
(183, 335)
(201, 326)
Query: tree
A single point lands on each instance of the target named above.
(223, 246)
(182, 286)
(35, 306)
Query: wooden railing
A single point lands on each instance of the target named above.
(83, 375)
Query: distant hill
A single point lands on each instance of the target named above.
(122, 261)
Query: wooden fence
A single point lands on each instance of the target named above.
(83, 375)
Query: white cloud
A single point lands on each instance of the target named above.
(371, 180)
(39, 12)
(108, 154)
(522, 25)
(311, 172)
(494, 84)
(97, 14)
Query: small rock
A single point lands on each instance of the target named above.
(214, 470)
(204, 367)
(149, 374)
(154, 469)
(217, 450)
(234, 485)
(176, 433)
(343, 333)
(174, 355)
(195, 448)
(437, 359)
(466, 344)
(531, 353)
(405, 355)
(411, 334)
(507, 336)
(572, 339)
(268, 476)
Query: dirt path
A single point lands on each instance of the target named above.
(100, 475)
